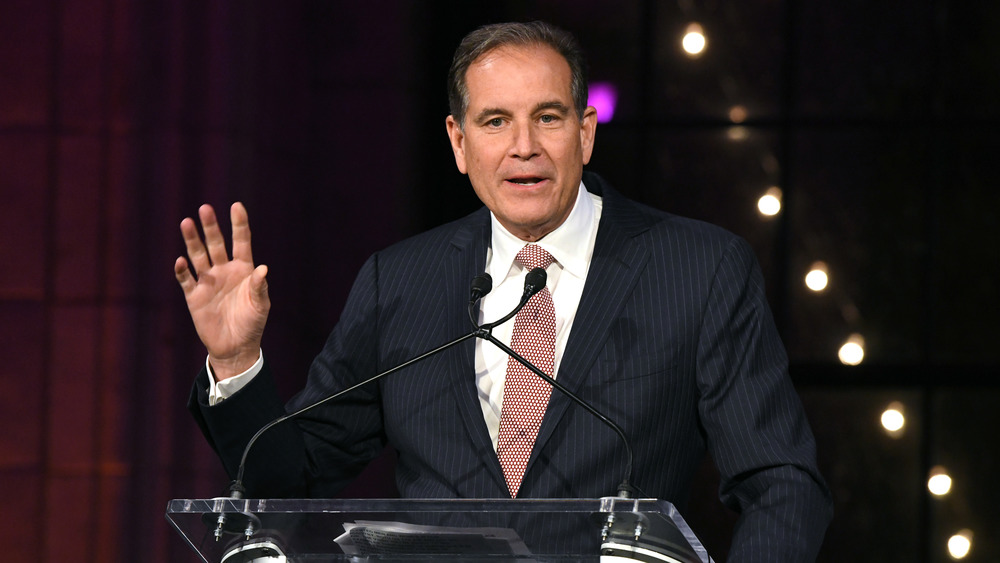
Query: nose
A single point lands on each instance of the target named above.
(524, 142)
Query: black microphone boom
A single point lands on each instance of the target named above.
(534, 282)
(481, 285)
(624, 488)
(236, 489)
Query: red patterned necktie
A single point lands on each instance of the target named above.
(525, 395)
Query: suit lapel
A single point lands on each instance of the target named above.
(616, 265)
(467, 259)
(615, 268)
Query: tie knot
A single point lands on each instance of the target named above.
(533, 256)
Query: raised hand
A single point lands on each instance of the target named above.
(227, 299)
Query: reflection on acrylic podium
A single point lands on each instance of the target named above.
(226, 530)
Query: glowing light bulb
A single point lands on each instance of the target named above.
(769, 204)
(960, 544)
(893, 419)
(737, 133)
(939, 484)
(694, 41)
(817, 278)
(852, 352)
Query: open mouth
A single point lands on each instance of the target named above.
(531, 181)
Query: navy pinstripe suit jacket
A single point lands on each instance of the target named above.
(673, 340)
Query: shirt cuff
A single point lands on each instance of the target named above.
(219, 391)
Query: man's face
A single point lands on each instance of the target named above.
(522, 143)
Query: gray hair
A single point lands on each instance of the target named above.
(490, 37)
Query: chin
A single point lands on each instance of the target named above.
(529, 222)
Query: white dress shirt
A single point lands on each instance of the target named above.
(571, 245)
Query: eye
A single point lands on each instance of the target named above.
(548, 118)
(495, 122)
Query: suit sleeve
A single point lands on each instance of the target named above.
(756, 428)
(319, 452)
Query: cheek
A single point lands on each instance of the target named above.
(473, 158)
(482, 164)
(481, 192)
(476, 171)
(567, 152)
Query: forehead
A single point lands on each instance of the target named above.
(514, 72)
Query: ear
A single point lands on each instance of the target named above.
(457, 138)
(588, 129)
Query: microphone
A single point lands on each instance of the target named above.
(481, 285)
(534, 282)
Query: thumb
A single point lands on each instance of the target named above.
(258, 286)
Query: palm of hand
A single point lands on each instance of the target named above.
(223, 309)
(227, 298)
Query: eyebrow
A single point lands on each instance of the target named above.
(558, 106)
(488, 112)
(554, 105)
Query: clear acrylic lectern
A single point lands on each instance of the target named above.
(228, 530)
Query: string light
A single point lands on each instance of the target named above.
(818, 276)
(960, 544)
(852, 352)
(769, 204)
(694, 41)
(939, 482)
(893, 420)
(737, 133)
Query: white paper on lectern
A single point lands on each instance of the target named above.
(374, 537)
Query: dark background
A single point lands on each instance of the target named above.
(119, 118)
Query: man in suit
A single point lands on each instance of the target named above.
(659, 322)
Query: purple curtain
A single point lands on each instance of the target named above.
(117, 119)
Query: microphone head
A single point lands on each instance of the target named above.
(534, 282)
(481, 285)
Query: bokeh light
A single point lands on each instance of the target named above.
(737, 133)
(694, 41)
(852, 352)
(769, 204)
(893, 418)
(737, 114)
(960, 544)
(604, 97)
(818, 277)
(939, 482)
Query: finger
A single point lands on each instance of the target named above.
(241, 233)
(214, 241)
(183, 275)
(195, 248)
(258, 288)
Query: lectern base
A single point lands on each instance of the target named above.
(261, 550)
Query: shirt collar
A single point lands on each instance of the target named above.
(564, 243)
